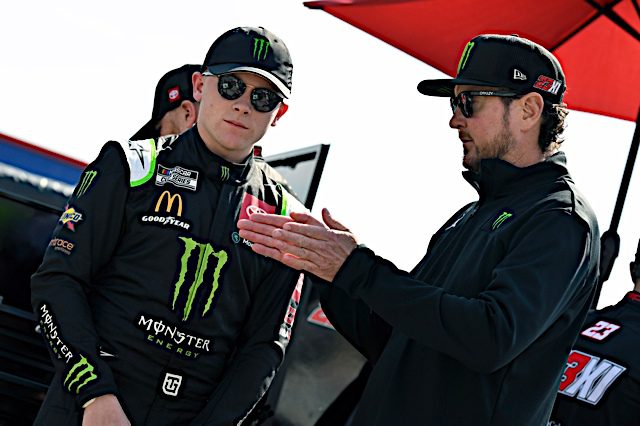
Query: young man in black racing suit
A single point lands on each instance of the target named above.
(154, 308)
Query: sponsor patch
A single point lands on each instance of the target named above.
(168, 203)
(587, 377)
(172, 338)
(49, 328)
(61, 245)
(318, 317)
(174, 94)
(81, 373)
(70, 218)
(251, 205)
(547, 84)
(87, 180)
(500, 219)
(290, 316)
(171, 383)
(198, 277)
(236, 238)
(600, 330)
(177, 176)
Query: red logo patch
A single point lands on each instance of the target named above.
(588, 377)
(174, 94)
(318, 317)
(251, 205)
(600, 331)
(547, 84)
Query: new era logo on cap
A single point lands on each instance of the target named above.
(174, 94)
(518, 75)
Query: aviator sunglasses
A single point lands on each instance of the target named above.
(464, 100)
(231, 87)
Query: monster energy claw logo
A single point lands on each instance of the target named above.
(504, 216)
(79, 375)
(224, 172)
(206, 250)
(258, 45)
(87, 180)
(465, 56)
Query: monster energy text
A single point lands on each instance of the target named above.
(205, 252)
(171, 338)
(80, 374)
(258, 45)
(86, 182)
(50, 329)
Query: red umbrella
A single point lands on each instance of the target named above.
(596, 41)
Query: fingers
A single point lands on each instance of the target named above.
(306, 218)
(267, 251)
(311, 231)
(331, 222)
(269, 219)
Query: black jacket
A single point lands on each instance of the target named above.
(601, 382)
(148, 292)
(478, 333)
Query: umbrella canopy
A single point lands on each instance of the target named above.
(596, 41)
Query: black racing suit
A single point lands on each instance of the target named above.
(601, 381)
(479, 332)
(147, 291)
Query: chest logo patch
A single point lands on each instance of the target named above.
(177, 176)
(206, 261)
(251, 205)
(501, 219)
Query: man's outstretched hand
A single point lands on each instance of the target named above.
(301, 241)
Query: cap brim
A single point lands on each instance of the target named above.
(148, 131)
(228, 68)
(444, 87)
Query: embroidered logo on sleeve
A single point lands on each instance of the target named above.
(587, 377)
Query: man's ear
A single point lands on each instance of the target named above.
(198, 81)
(281, 110)
(189, 112)
(532, 107)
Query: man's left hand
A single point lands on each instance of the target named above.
(301, 242)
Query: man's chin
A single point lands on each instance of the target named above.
(468, 164)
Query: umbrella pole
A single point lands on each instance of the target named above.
(610, 240)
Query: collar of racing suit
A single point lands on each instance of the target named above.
(498, 178)
(219, 169)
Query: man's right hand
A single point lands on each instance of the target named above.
(105, 410)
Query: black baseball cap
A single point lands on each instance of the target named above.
(507, 61)
(255, 50)
(173, 88)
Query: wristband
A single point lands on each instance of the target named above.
(88, 403)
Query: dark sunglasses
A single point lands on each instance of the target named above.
(231, 87)
(464, 100)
